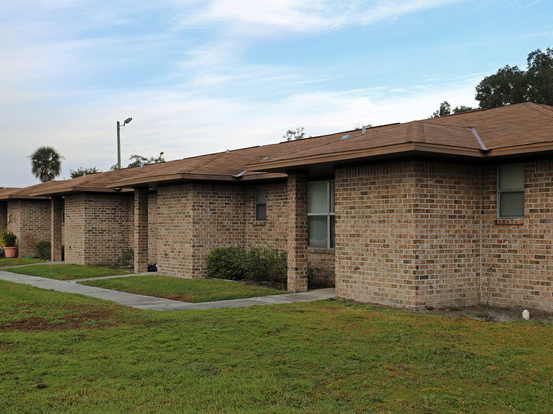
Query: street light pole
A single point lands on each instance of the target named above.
(119, 141)
(118, 145)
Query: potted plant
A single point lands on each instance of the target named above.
(8, 240)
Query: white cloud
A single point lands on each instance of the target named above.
(183, 125)
(200, 95)
(257, 17)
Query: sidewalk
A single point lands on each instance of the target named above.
(153, 303)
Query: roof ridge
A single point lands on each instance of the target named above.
(542, 108)
(219, 155)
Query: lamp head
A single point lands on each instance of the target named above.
(128, 120)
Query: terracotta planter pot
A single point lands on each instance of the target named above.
(10, 252)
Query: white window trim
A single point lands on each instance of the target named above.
(328, 216)
(511, 190)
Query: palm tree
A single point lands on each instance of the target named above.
(46, 163)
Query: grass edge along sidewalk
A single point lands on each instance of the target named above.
(187, 290)
(65, 271)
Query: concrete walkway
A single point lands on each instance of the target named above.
(150, 302)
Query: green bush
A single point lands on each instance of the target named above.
(126, 259)
(227, 263)
(7, 239)
(261, 264)
(264, 264)
(43, 250)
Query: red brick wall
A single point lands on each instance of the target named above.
(272, 232)
(417, 234)
(3, 215)
(74, 229)
(140, 228)
(320, 267)
(152, 228)
(297, 231)
(520, 250)
(175, 230)
(98, 227)
(447, 209)
(56, 232)
(29, 220)
(194, 219)
(375, 251)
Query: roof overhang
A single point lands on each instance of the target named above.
(75, 190)
(389, 151)
(168, 179)
(22, 197)
(325, 162)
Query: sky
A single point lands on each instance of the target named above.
(204, 76)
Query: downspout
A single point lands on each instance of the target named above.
(480, 232)
(484, 149)
(244, 237)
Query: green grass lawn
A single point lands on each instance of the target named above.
(66, 271)
(62, 352)
(16, 262)
(187, 290)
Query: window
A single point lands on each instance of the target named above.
(510, 190)
(261, 204)
(320, 214)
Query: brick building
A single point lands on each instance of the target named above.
(426, 213)
(26, 216)
(91, 222)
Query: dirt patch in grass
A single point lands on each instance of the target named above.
(268, 284)
(492, 314)
(183, 298)
(93, 317)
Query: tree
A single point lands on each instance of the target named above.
(445, 109)
(139, 160)
(46, 163)
(540, 76)
(511, 85)
(508, 86)
(294, 134)
(79, 172)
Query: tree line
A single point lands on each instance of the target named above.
(511, 85)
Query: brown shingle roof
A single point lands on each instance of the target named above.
(508, 130)
(509, 126)
(25, 193)
(515, 129)
(223, 166)
(99, 182)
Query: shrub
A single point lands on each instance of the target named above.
(8, 239)
(264, 264)
(43, 250)
(126, 259)
(260, 264)
(227, 263)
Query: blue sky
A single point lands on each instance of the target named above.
(203, 76)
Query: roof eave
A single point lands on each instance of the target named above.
(23, 197)
(527, 149)
(396, 149)
(171, 178)
(74, 190)
(184, 177)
